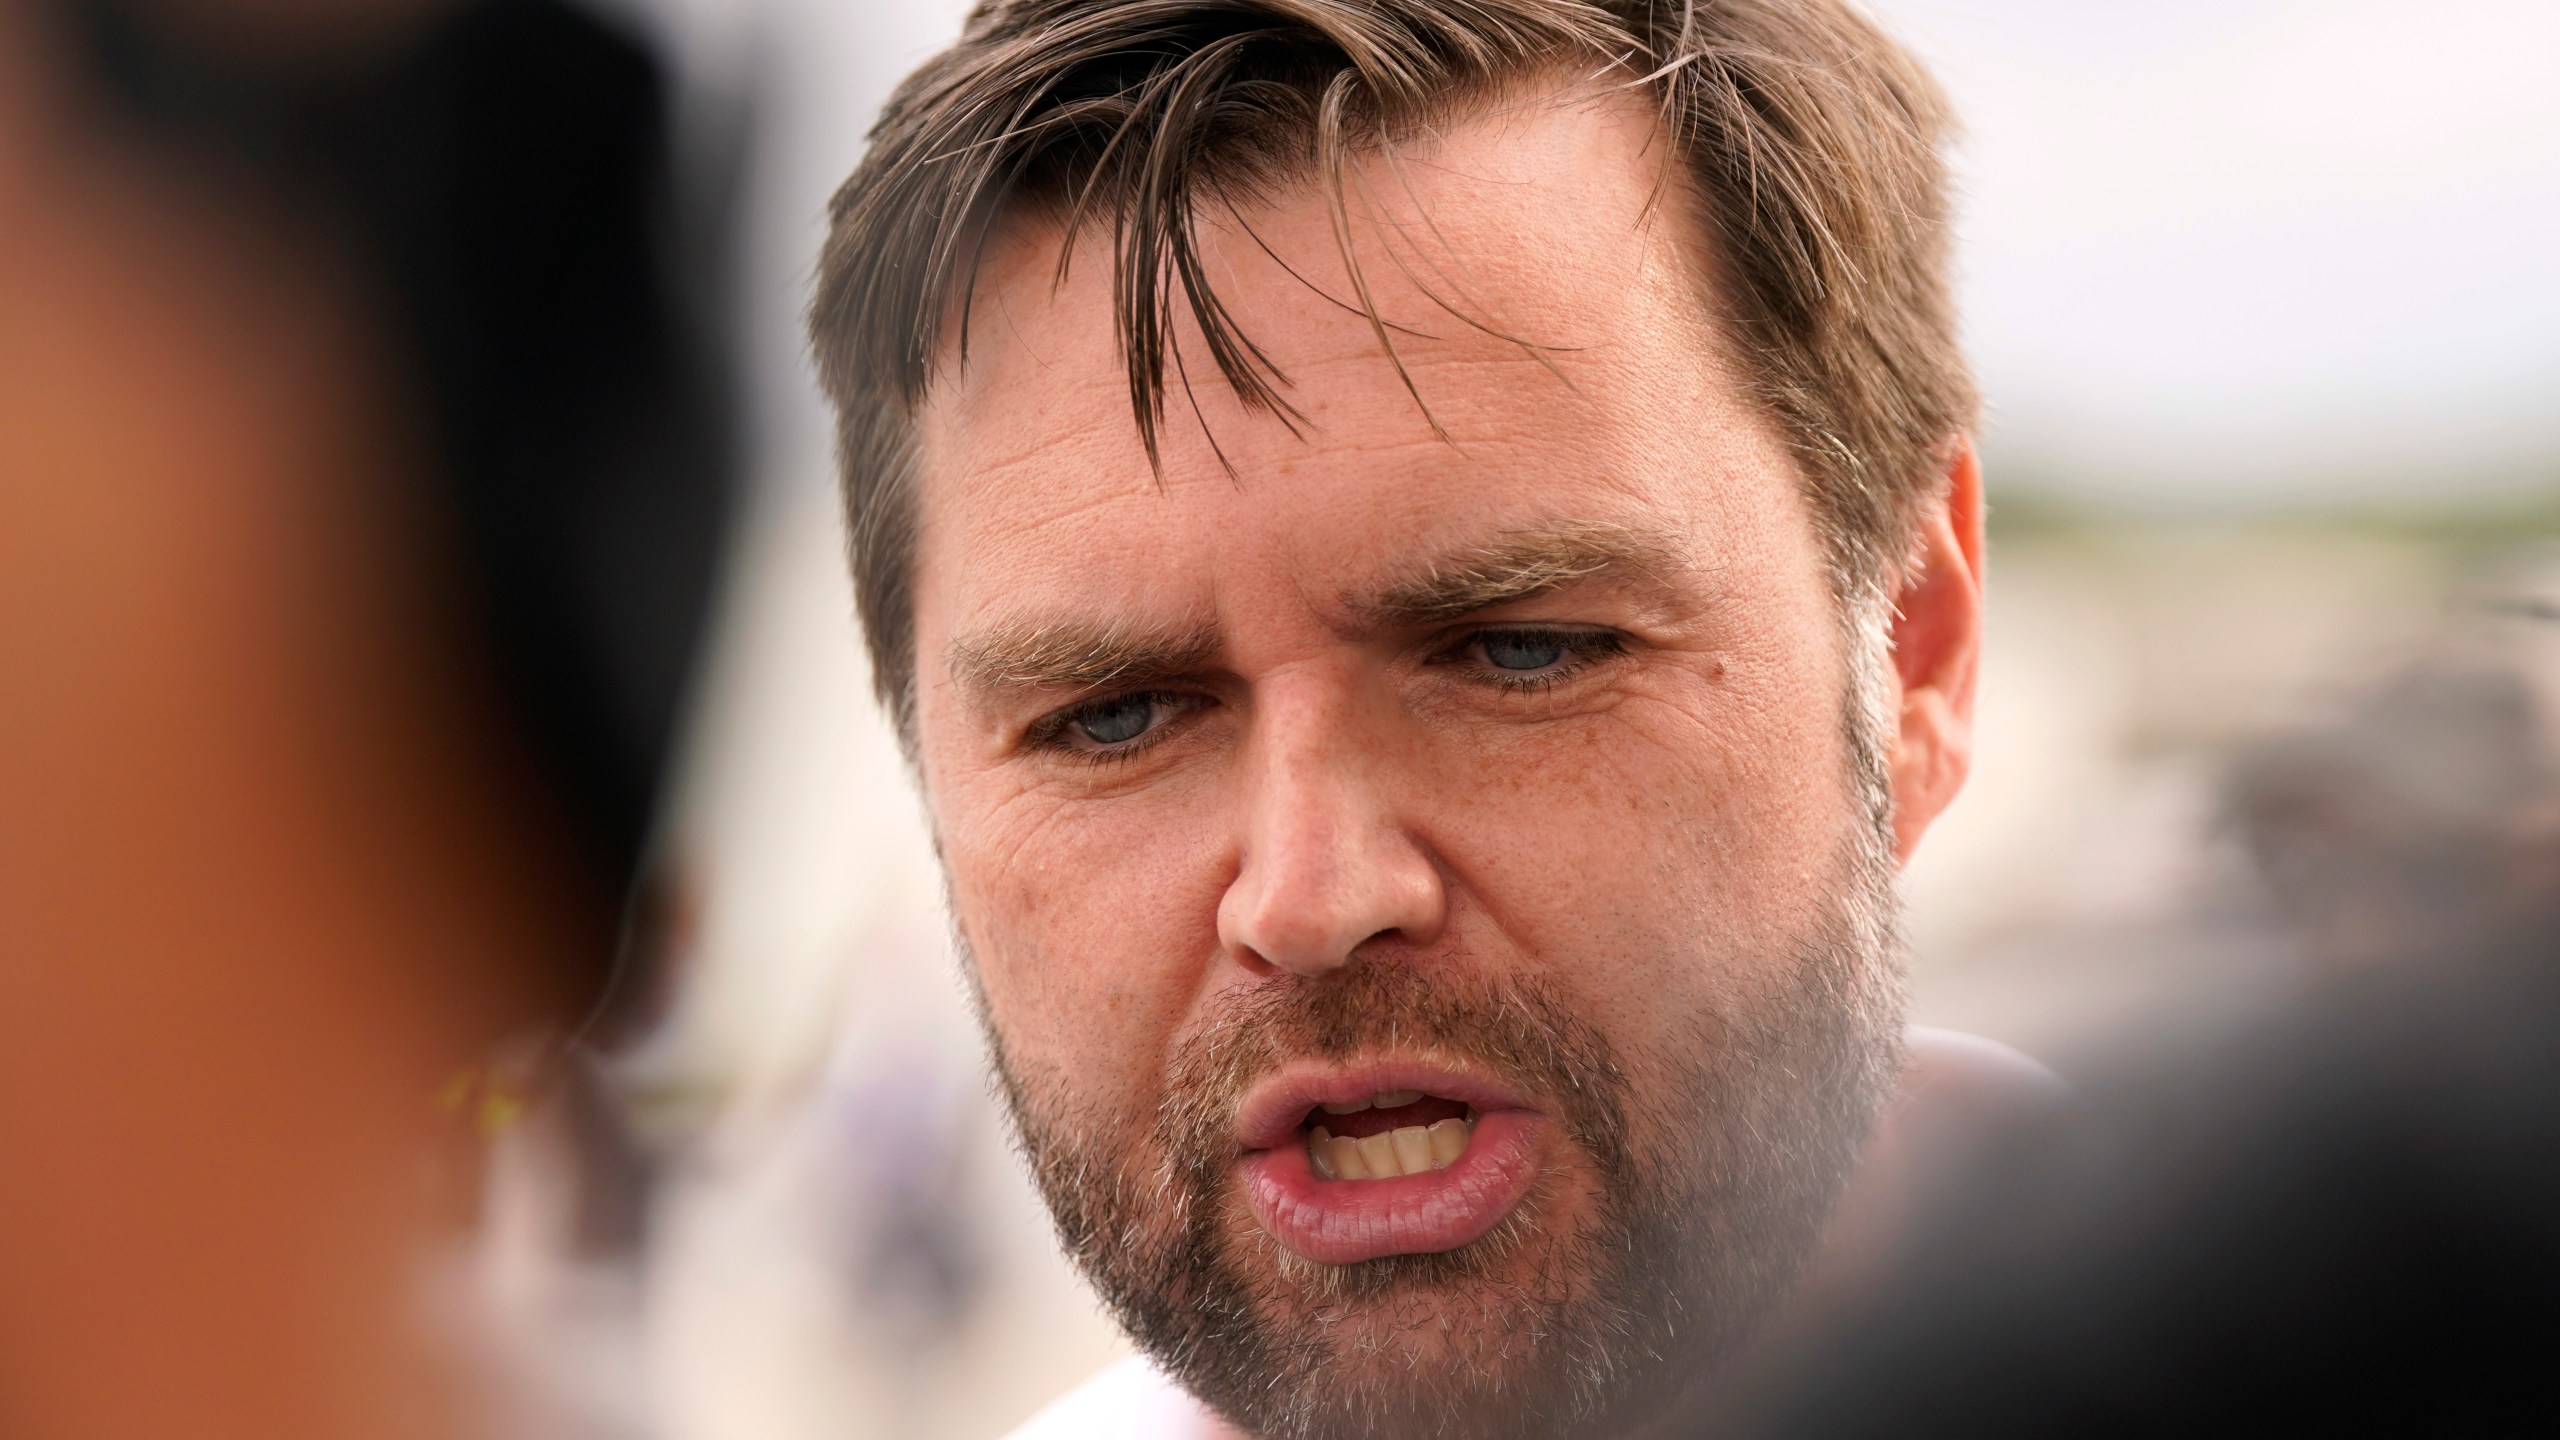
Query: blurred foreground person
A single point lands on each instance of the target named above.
(280, 851)
(2351, 1214)
(1428, 557)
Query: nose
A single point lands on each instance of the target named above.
(1328, 864)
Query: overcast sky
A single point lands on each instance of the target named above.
(2214, 251)
(2217, 248)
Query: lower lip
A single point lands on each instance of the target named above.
(1342, 1222)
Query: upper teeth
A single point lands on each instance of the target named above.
(1384, 1100)
(1409, 1150)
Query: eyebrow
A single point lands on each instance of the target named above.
(1070, 655)
(1519, 565)
(1021, 656)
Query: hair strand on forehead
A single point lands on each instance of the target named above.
(1808, 141)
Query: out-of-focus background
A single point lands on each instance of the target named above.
(2265, 295)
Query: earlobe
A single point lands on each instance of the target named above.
(1937, 651)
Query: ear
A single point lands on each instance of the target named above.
(1937, 651)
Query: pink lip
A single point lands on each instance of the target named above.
(1342, 1222)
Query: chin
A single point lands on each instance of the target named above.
(1521, 1332)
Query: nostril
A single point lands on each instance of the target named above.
(1292, 939)
(1307, 903)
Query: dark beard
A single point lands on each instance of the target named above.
(1705, 1200)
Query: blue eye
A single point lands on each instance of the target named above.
(1116, 722)
(1522, 650)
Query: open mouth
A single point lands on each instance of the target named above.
(1393, 1133)
(1385, 1156)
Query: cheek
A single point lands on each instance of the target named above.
(1680, 838)
(1088, 928)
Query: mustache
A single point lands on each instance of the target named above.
(1516, 1027)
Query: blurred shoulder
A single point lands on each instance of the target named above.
(1948, 1072)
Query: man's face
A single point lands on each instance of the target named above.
(1433, 936)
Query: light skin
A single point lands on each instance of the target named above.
(1545, 694)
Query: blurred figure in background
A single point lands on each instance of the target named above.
(363, 465)
(2422, 820)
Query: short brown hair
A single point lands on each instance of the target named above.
(1809, 137)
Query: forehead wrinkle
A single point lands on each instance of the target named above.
(1517, 565)
(1014, 656)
